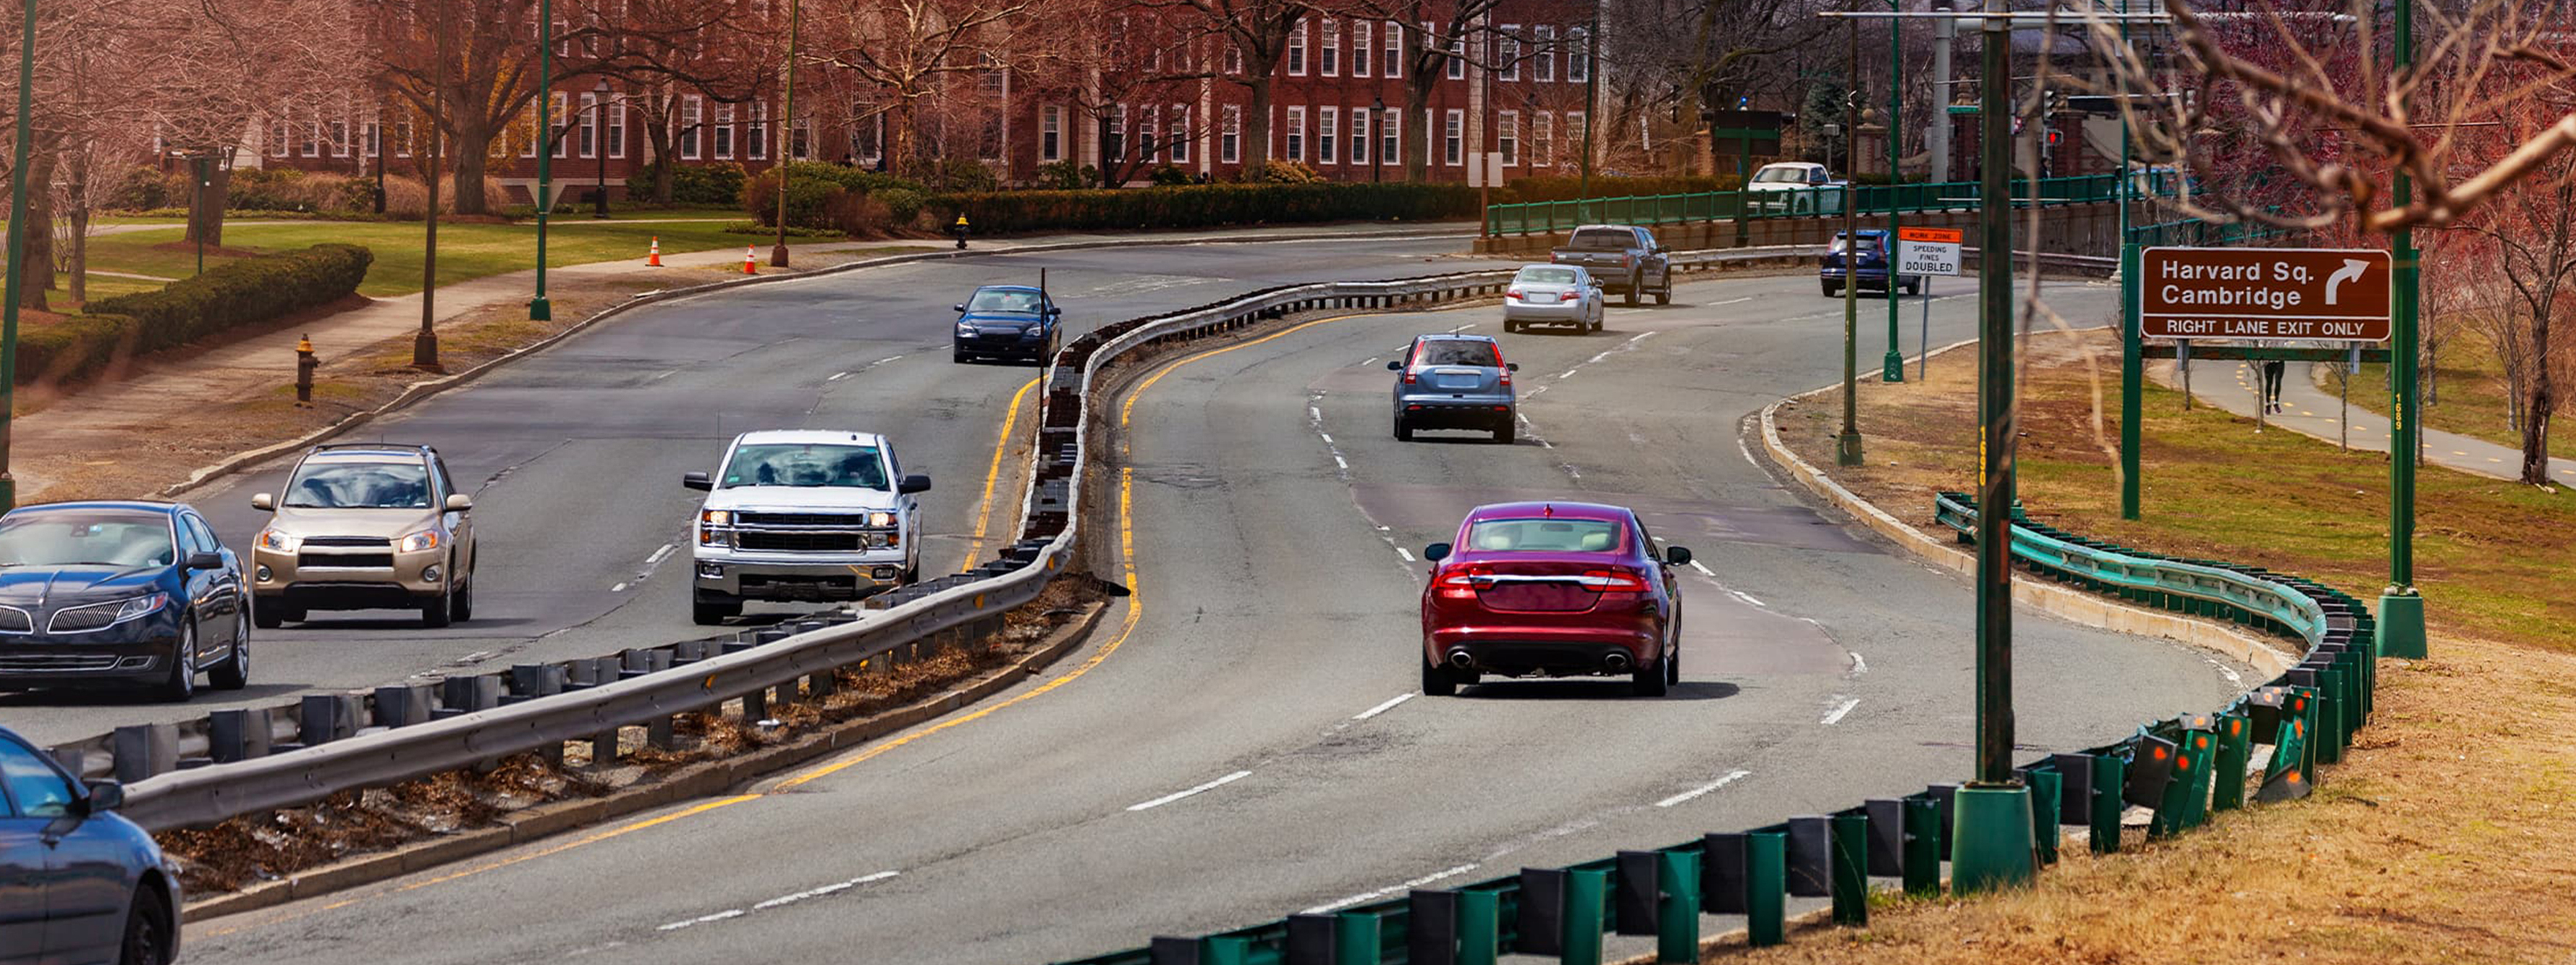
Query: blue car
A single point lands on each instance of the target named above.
(1007, 322)
(77, 882)
(120, 592)
(1872, 268)
(1450, 381)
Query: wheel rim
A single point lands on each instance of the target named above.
(183, 672)
(241, 645)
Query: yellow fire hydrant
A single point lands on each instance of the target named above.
(960, 229)
(305, 363)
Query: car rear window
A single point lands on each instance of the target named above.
(1544, 536)
(1457, 352)
(1602, 239)
(1868, 246)
(1546, 276)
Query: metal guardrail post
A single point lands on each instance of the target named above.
(1586, 890)
(1480, 927)
(1765, 888)
(1850, 869)
(2110, 774)
(2045, 786)
(2235, 746)
(1360, 940)
(1922, 857)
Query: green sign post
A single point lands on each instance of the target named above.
(1891, 367)
(2401, 608)
(538, 308)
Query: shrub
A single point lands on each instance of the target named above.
(1067, 176)
(141, 188)
(408, 197)
(903, 205)
(1202, 205)
(245, 292)
(814, 191)
(1168, 175)
(958, 175)
(72, 347)
(1282, 172)
(717, 183)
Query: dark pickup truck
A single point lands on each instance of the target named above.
(1624, 257)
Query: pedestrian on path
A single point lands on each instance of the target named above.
(2273, 369)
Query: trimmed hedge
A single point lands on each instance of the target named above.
(1201, 206)
(816, 194)
(245, 292)
(717, 183)
(1552, 188)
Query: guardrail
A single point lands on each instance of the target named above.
(240, 761)
(2178, 771)
(1546, 216)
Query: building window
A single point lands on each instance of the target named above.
(402, 139)
(375, 135)
(724, 132)
(340, 138)
(616, 126)
(1542, 143)
(1229, 142)
(1578, 55)
(1149, 134)
(756, 139)
(1297, 50)
(1362, 50)
(1113, 148)
(1453, 138)
(692, 111)
(527, 147)
(1394, 50)
(311, 133)
(1507, 137)
(562, 126)
(589, 125)
(867, 134)
(1051, 134)
(1574, 133)
(1181, 134)
(278, 131)
(1507, 54)
(803, 133)
(1359, 134)
(1457, 67)
(1233, 57)
(1390, 132)
(1331, 52)
(1543, 56)
(1327, 119)
(1296, 133)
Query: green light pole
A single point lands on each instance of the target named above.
(1847, 442)
(1992, 837)
(1891, 368)
(17, 274)
(2401, 608)
(787, 123)
(2132, 349)
(539, 309)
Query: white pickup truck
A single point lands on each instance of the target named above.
(1794, 188)
(803, 515)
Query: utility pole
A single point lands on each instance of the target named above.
(539, 309)
(1992, 839)
(2401, 607)
(17, 273)
(787, 144)
(1847, 442)
(1936, 138)
(424, 344)
(1591, 101)
(2132, 347)
(1891, 368)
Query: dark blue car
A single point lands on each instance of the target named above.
(120, 592)
(78, 884)
(1872, 268)
(1007, 322)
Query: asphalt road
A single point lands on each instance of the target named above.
(575, 455)
(1248, 745)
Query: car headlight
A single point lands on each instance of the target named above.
(272, 539)
(880, 519)
(142, 606)
(965, 328)
(715, 517)
(426, 539)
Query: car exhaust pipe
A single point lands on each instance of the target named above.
(1617, 662)
(1461, 660)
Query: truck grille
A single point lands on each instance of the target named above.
(802, 519)
(809, 542)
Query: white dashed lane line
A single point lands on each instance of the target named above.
(1686, 796)
(1835, 715)
(1201, 789)
(1369, 896)
(780, 901)
(660, 554)
(1383, 708)
(1405, 553)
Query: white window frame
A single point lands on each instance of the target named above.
(1543, 54)
(1578, 59)
(1149, 133)
(1328, 53)
(374, 133)
(563, 145)
(616, 126)
(1361, 132)
(1297, 49)
(340, 128)
(282, 132)
(1233, 57)
(311, 145)
(800, 138)
(1363, 48)
(1230, 136)
(1456, 68)
(693, 115)
(1394, 50)
(1327, 124)
(1296, 133)
(1113, 148)
(1390, 137)
(1508, 53)
(1575, 122)
(1051, 133)
(1542, 139)
(1453, 137)
(755, 133)
(1507, 137)
(724, 131)
(402, 146)
(588, 133)
(1179, 148)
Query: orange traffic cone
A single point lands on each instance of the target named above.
(654, 259)
(747, 267)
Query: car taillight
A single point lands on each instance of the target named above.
(1566, 296)
(1516, 295)
(1615, 581)
(1627, 260)
(1408, 376)
(1459, 582)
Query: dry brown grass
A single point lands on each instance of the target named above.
(2449, 832)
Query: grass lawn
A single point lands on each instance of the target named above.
(2470, 396)
(2446, 834)
(466, 251)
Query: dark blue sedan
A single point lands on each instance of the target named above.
(1007, 322)
(120, 592)
(77, 883)
(1872, 267)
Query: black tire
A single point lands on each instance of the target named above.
(1831, 289)
(1503, 433)
(1672, 665)
(440, 610)
(709, 611)
(1597, 320)
(1629, 297)
(1510, 326)
(959, 356)
(267, 615)
(292, 614)
(1436, 681)
(1403, 429)
(1648, 681)
(181, 685)
(461, 608)
(148, 930)
(234, 672)
(1664, 295)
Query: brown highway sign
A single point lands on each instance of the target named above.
(2311, 294)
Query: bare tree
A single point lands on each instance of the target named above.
(1256, 35)
(908, 51)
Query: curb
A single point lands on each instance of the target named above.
(2084, 608)
(705, 779)
(417, 391)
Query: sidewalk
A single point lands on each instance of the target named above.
(67, 433)
(2311, 411)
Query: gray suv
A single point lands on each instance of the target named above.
(1454, 382)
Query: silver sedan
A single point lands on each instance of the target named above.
(1553, 295)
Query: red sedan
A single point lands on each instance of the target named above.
(1560, 589)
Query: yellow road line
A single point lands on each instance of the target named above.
(984, 509)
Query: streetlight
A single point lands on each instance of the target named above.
(2401, 606)
(539, 309)
(786, 144)
(17, 252)
(1377, 118)
(599, 147)
(198, 180)
(1891, 367)
(1847, 442)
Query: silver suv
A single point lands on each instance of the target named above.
(1454, 382)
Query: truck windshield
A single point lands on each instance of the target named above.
(1780, 176)
(1602, 239)
(806, 464)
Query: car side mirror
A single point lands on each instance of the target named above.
(1511, 366)
(959, 308)
(264, 503)
(1677, 555)
(105, 796)
(205, 561)
(459, 502)
(1055, 312)
(1396, 365)
(1436, 552)
(697, 480)
(915, 483)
